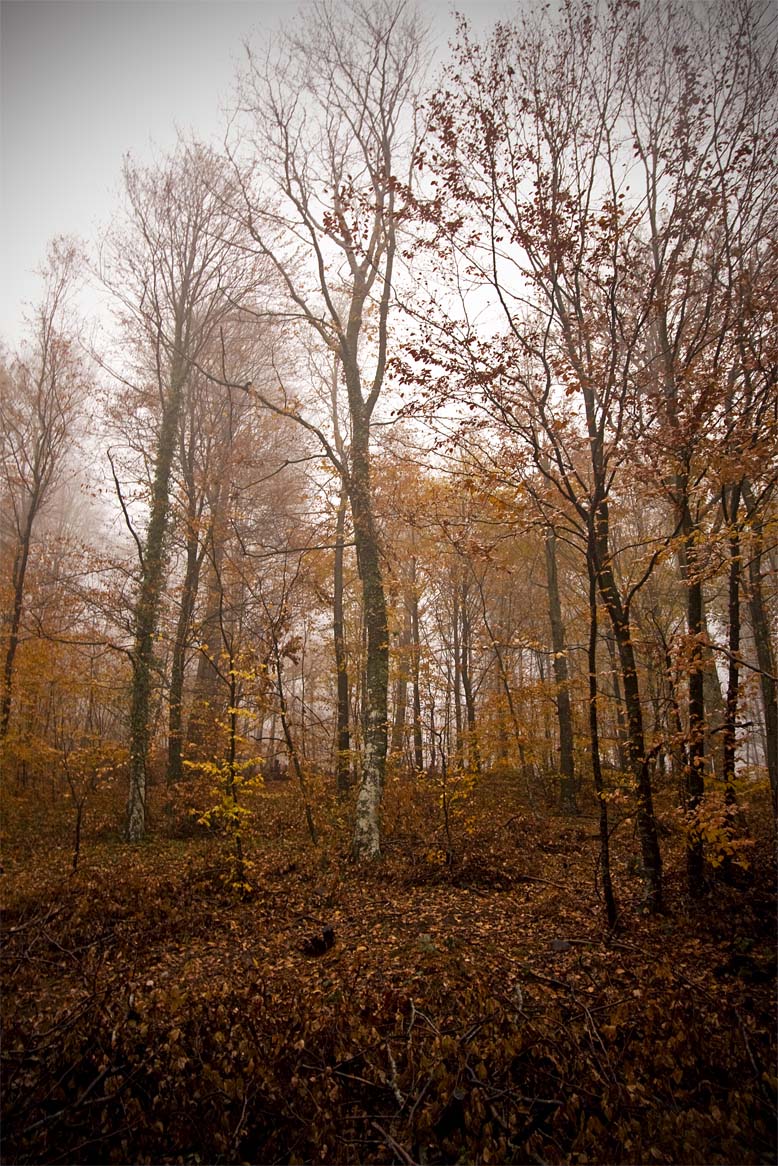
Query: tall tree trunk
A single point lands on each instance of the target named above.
(343, 749)
(147, 608)
(618, 701)
(715, 706)
(239, 870)
(473, 752)
(457, 671)
(549, 742)
(207, 697)
(418, 740)
(765, 652)
(292, 750)
(695, 753)
(561, 680)
(207, 688)
(639, 762)
(401, 688)
(21, 559)
(366, 840)
(505, 679)
(611, 909)
(194, 558)
(729, 746)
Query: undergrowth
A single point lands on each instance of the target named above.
(471, 1009)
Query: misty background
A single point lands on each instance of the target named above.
(85, 81)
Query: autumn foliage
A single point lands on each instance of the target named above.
(389, 697)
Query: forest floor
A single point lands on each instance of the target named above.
(472, 1012)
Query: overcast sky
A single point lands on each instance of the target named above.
(84, 81)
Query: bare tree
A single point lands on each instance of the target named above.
(330, 124)
(527, 142)
(177, 274)
(40, 400)
(703, 118)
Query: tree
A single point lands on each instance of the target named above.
(177, 276)
(42, 395)
(331, 126)
(526, 150)
(704, 123)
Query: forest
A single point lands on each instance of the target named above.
(389, 583)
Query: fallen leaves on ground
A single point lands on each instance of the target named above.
(470, 1012)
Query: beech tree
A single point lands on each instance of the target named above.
(703, 119)
(176, 276)
(526, 148)
(331, 126)
(41, 396)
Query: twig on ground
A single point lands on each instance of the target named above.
(399, 1150)
(393, 1078)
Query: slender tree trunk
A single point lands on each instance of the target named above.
(239, 871)
(21, 560)
(343, 747)
(194, 558)
(618, 700)
(729, 746)
(505, 679)
(549, 751)
(695, 753)
(205, 696)
(418, 740)
(715, 706)
(639, 762)
(292, 751)
(147, 609)
(611, 909)
(561, 679)
(457, 673)
(765, 653)
(401, 689)
(474, 753)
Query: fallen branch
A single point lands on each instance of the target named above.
(543, 882)
(393, 1078)
(399, 1150)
